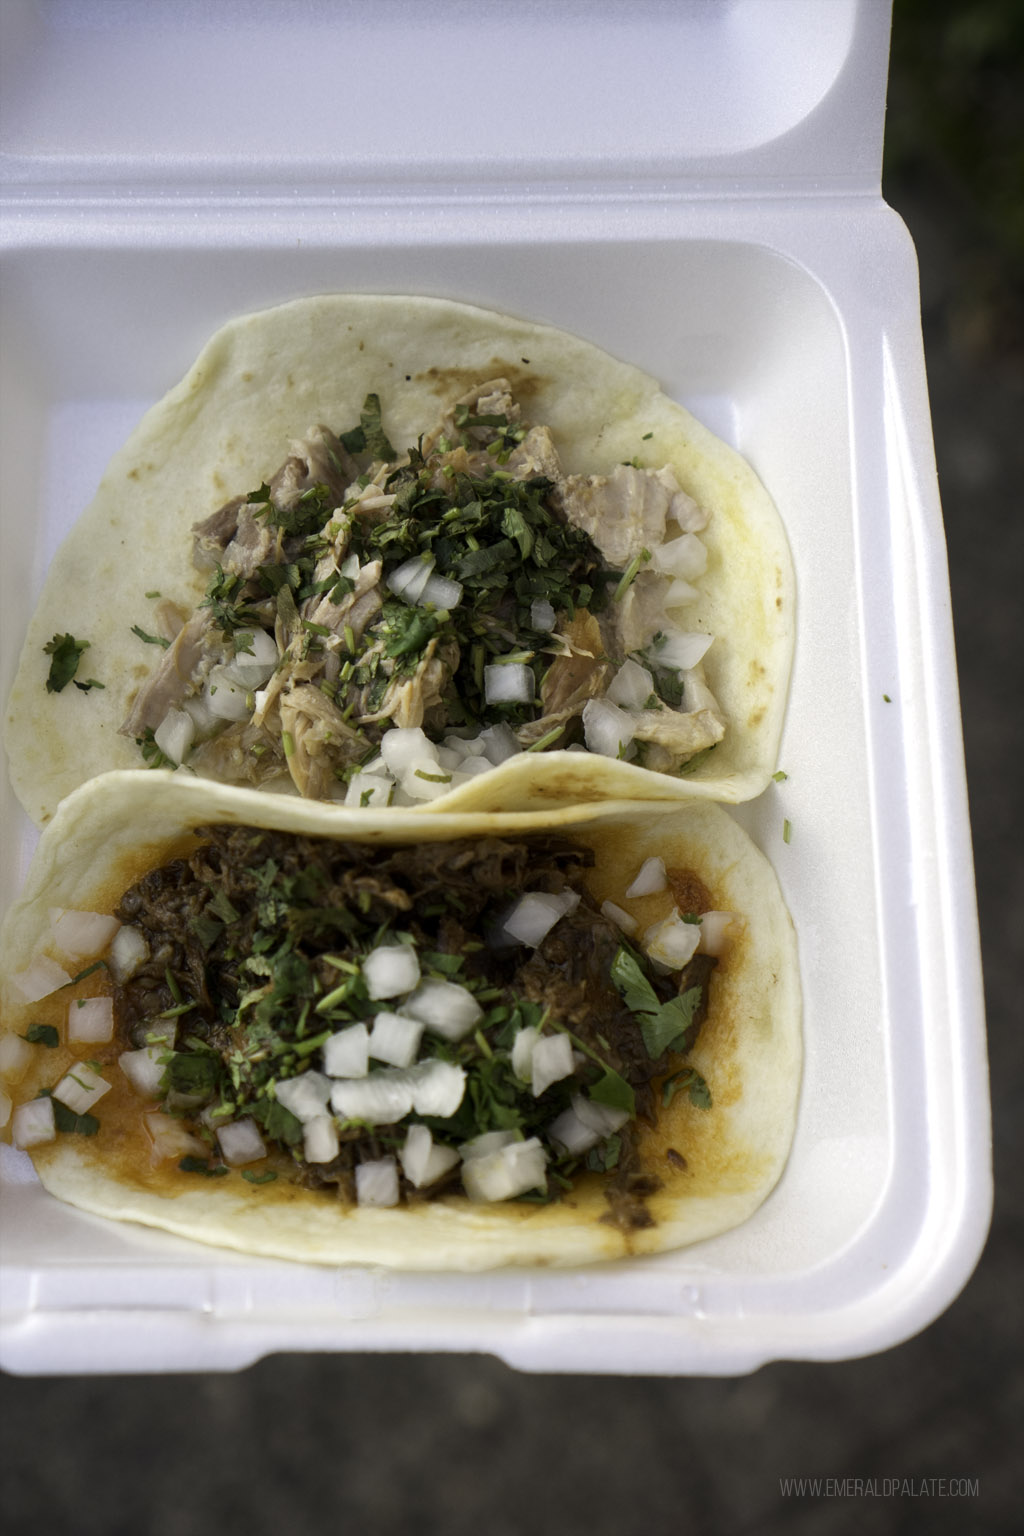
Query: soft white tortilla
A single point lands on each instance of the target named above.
(749, 1050)
(266, 379)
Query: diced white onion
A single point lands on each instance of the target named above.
(425, 779)
(240, 1143)
(390, 969)
(602, 1118)
(686, 556)
(33, 1123)
(486, 1143)
(40, 978)
(552, 1060)
(522, 1052)
(252, 668)
(424, 1161)
(306, 1095)
(15, 1056)
(607, 729)
(682, 651)
(347, 1053)
(445, 1007)
(512, 1170)
(680, 593)
(542, 614)
(369, 789)
(470, 767)
(569, 1133)
(650, 877)
(377, 1182)
(379, 1099)
(202, 716)
(403, 747)
(91, 1019)
(621, 919)
(169, 1138)
(320, 1140)
(227, 699)
(144, 1070)
(175, 734)
(510, 683)
(408, 580)
(350, 567)
(672, 942)
(440, 592)
(498, 742)
(716, 930)
(631, 686)
(129, 949)
(395, 1039)
(438, 1088)
(535, 914)
(82, 934)
(81, 1088)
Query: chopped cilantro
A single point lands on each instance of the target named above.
(42, 1034)
(150, 639)
(65, 653)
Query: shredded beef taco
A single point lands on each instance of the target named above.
(422, 1042)
(400, 551)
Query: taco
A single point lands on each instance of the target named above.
(397, 550)
(417, 1041)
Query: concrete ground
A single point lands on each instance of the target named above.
(460, 1447)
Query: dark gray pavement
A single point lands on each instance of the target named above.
(465, 1447)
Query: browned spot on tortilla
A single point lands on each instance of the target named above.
(689, 891)
(133, 474)
(754, 718)
(675, 1158)
(448, 383)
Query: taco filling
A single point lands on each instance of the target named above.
(387, 1025)
(380, 628)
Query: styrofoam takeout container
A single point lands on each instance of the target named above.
(695, 187)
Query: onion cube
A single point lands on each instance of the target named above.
(391, 969)
(425, 779)
(169, 1138)
(256, 656)
(382, 1098)
(225, 698)
(716, 930)
(510, 1171)
(437, 1088)
(542, 614)
(686, 557)
(510, 682)
(82, 933)
(683, 651)
(680, 593)
(440, 592)
(551, 1061)
(377, 1182)
(445, 1007)
(306, 1096)
(522, 1052)
(424, 1161)
(81, 1088)
(91, 1020)
(347, 1054)
(15, 1056)
(240, 1143)
(570, 1134)
(650, 877)
(631, 686)
(409, 580)
(404, 747)
(534, 915)
(320, 1140)
(369, 789)
(33, 1123)
(175, 734)
(486, 1143)
(144, 1069)
(620, 918)
(40, 978)
(129, 949)
(498, 743)
(395, 1039)
(605, 1119)
(607, 729)
(672, 942)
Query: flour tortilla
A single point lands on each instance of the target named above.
(749, 1049)
(266, 379)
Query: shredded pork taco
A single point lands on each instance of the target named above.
(404, 552)
(432, 1042)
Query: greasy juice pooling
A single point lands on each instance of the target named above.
(538, 1061)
